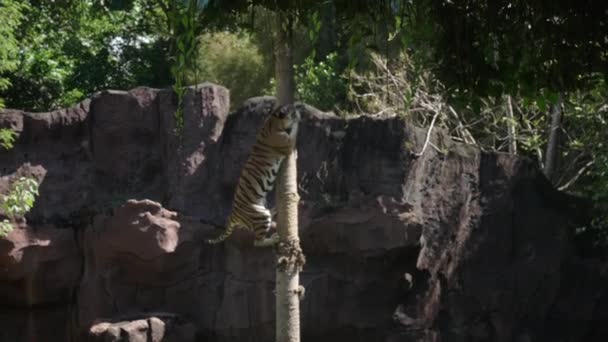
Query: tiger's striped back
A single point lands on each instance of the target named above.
(275, 140)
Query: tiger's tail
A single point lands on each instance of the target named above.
(223, 236)
(217, 240)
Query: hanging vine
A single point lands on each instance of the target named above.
(184, 26)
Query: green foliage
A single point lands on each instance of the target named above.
(7, 138)
(320, 84)
(18, 202)
(5, 227)
(232, 60)
(20, 198)
(69, 50)
(10, 17)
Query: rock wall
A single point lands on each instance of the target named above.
(455, 245)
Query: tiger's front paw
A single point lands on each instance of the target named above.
(267, 241)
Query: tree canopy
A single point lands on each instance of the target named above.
(68, 49)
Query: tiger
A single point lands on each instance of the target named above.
(274, 141)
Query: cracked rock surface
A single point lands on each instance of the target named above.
(455, 245)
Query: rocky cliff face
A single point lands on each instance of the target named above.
(455, 245)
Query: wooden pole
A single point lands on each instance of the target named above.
(290, 258)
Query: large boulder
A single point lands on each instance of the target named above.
(161, 327)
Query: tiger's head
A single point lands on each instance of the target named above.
(281, 127)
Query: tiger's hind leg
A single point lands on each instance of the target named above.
(263, 228)
(267, 241)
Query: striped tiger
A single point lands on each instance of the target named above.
(275, 140)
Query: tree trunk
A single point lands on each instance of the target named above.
(283, 64)
(511, 127)
(328, 35)
(290, 258)
(553, 140)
